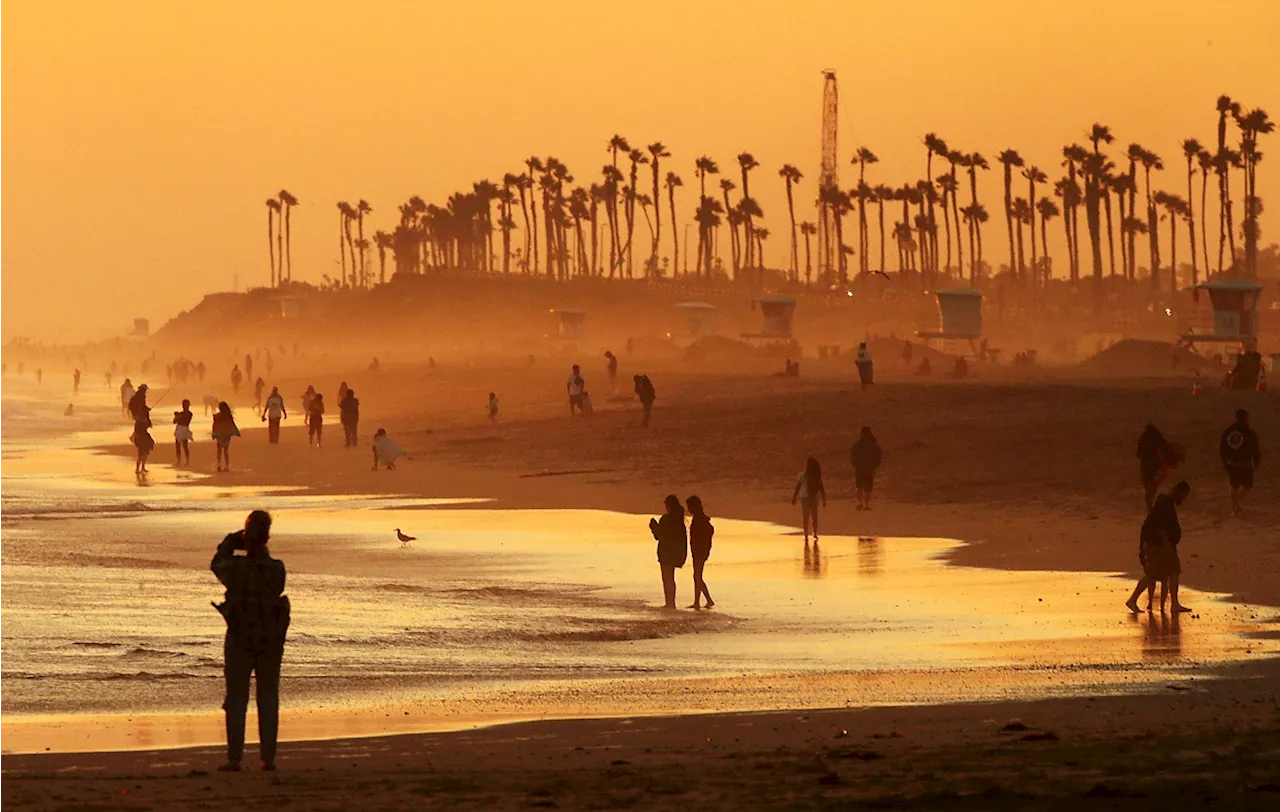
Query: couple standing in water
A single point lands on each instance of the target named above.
(675, 545)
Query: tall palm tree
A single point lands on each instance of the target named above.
(761, 235)
(861, 158)
(287, 202)
(727, 186)
(708, 219)
(808, 229)
(973, 162)
(1225, 107)
(657, 152)
(1152, 161)
(1191, 150)
(837, 202)
(1119, 187)
(612, 183)
(1206, 163)
(883, 193)
(362, 208)
(934, 146)
(1252, 124)
(792, 175)
(1073, 155)
(534, 163)
(273, 209)
(637, 158)
(598, 195)
(1134, 155)
(747, 162)
(1034, 175)
(1009, 159)
(947, 184)
(702, 167)
(1023, 214)
(1048, 210)
(1096, 168)
(1177, 209)
(343, 233)
(672, 181)
(384, 241)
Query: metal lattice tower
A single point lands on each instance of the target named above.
(830, 175)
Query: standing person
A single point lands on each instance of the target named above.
(257, 614)
(182, 434)
(809, 490)
(200, 371)
(224, 428)
(907, 352)
(701, 532)
(865, 456)
(126, 396)
(866, 368)
(272, 413)
(349, 412)
(385, 450)
(142, 439)
(307, 397)
(342, 393)
(75, 382)
(493, 407)
(248, 365)
(40, 375)
(613, 369)
(138, 403)
(647, 395)
(576, 387)
(1156, 456)
(1241, 455)
(315, 419)
(236, 377)
(673, 546)
(258, 386)
(1158, 550)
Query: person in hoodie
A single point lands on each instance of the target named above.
(349, 412)
(701, 532)
(1241, 456)
(865, 457)
(673, 546)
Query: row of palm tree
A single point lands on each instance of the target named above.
(280, 236)
(566, 223)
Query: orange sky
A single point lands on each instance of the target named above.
(141, 138)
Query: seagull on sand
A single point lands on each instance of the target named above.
(404, 540)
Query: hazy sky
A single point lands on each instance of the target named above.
(140, 139)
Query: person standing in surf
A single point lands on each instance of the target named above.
(673, 546)
(315, 419)
(809, 490)
(701, 532)
(1158, 550)
(142, 439)
(182, 434)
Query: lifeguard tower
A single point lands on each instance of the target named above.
(777, 313)
(1235, 314)
(700, 318)
(569, 324)
(960, 310)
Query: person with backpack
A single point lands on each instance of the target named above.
(701, 532)
(256, 611)
(673, 546)
(1241, 456)
(865, 456)
(647, 395)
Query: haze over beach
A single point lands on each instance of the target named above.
(725, 406)
(141, 137)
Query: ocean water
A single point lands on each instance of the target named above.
(109, 639)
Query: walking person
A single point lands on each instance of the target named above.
(647, 395)
(272, 413)
(612, 369)
(1156, 457)
(75, 382)
(257, 614)
(236, 377)
(258, 386)
(809, 490)
(349, 413)
(701, 532)
(1241, 455)
(493, 407)
(385, 450)
(866, 367)
(577, 388)
(315, 418)
(142, 439)
(865, 456)
(673, 546)
(126, 396)
(182, 434)
(224, 428)
(1158, 550)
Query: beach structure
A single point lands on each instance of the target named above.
(141, 328)
(960, 317)
(777, 313)
(1235, 313)
(700, 318)
(570, 323)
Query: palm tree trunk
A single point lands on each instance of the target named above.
(881, 216)
(1111, 234)
(808, 263)
(795, 248)
(1173, 253)
(1020, 259)
(1231, 232)
(1204, 218)
(1124, 254)
(533, 210)
(1044, 241)
(524, 207)
(1015, 268)
(342, 244)
(675, 231)
(288, 242)
(595, 238)
(946, 226)
(1191, 222)
(1035, 268)
(657, 212)
(271, 244)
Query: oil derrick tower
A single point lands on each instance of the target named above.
(829, 178)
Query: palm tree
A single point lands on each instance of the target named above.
(747, 162)
(1034, 175)
(534, 163)
(708, 218)
(792, 175)
(273, 209)
(637, 157)
(344, 209)
(1095, 167)
(611, 185)
(883, 193)
(1048, 209)
(673, 180)
(657, 151)
(1177, 208)
(1252, 124)
(761, 235)
(384, 241)
(362, 208)
(727, 186)
(1106, 186)
(1009, 159)
(1022, 213)
(287, 202)
(1073, 155)
(837, 202)
(1152, 161)
(808, 230)
(957, 158)
(861, 157)
(947, 184)
(1206, 163)
(1222, 164)
(934, 146)
(974, 161)
(702, 167)
(1134, 155)
(1191, 150)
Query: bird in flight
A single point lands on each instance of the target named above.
(404, 540)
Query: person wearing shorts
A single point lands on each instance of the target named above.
(577, 388)
(1158, 550)
(1241, 455)
(809, 490)
(865, 457)
(315, 419)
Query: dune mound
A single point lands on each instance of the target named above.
(1135, 357)
(719, 348)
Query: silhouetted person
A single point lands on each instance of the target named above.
(257, 614)
(577, 388)
(1155, 457)
(647, 395)
(385, 450)
(1241, 455)
(248, 365)
(865, 456)
(907, 352)
(200, 371)
(182, 434)
(315, 419)
(273, 412)
(349, 412)
(961, 369)
(236, 377)
(493, 407)
(673, 546)
(1158, 550)
(75, 382)
(613, 369)
(342, 393)
(40, 375)
(809, 490)
(925, 369)
(142, 439)
(866, 367)
(258, 386)
(138, 403)
(701, 532)
(224, 428)
(126, 396)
